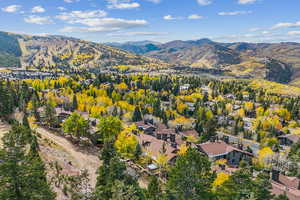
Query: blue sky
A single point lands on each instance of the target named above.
(159, 20)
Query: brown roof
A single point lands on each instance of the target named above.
(141, 123)
(294, 138)
(292, 193)
(290, 182)
(218, 148)
(193, 133)
(166, 131)
(155, 146)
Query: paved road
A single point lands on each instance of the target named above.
(234, 139)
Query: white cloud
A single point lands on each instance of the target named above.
(33, 19)
(232, 13)
(70, 1)
(38, 9)
(247, 1)
(61, 8)
(122, 4)
(286, 25)
(195, 16)
(154, 1)
(294, 33)
(105, 25)
(96, 21)
(204, 2)
(11, 8)
(169, 17)
(75, 15)
(110, 22)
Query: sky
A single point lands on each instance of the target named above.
(157, 20)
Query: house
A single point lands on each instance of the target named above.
(221, 150)
(282, 184)
(146, 127)
(153, 147)
(184, 87)
(247, 123)
(190, 133)
(288, 140)
(205, 89)
(191, 106)
(230, 96)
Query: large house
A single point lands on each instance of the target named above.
(282, 184)
(221, 150)
(288, 140)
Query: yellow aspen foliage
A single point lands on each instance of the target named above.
(220, 179)
(162, 160)
(209, 115)
(150, 109)
(229, 107)
(240, 113)
(181, 107)
(125, 105)
(182, 149)
(81, 107)
(264, 154)
(29, 105)
(219, 98)
(293, 124)
(32, 123)
(191, 138)
(221, 162)
(97, 111)
(126, 143)
(248, 106)
(122, 86)
(284, 114)
(260, 111)
(104, 101)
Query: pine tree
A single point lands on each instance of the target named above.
(22, 175)
(74, 102)
(137, 116)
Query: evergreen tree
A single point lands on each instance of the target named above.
(190, 177)
(154, 191)
(22, 175)
(74, 102)
(137, 116)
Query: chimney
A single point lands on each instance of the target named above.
(172, 138)
(165, 137)
(226, 139)
(158, 136)
(223, 167)
(151, 121)
(174, 145)
(275, 175)
(240, 146)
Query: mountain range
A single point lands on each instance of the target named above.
(273, 61)
(65, 53)
(279, 62)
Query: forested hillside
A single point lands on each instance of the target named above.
(10, 51)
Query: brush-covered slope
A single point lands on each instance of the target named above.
(277, 61)
(53, 52)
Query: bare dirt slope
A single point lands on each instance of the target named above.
(4, 128)
(80, 160)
